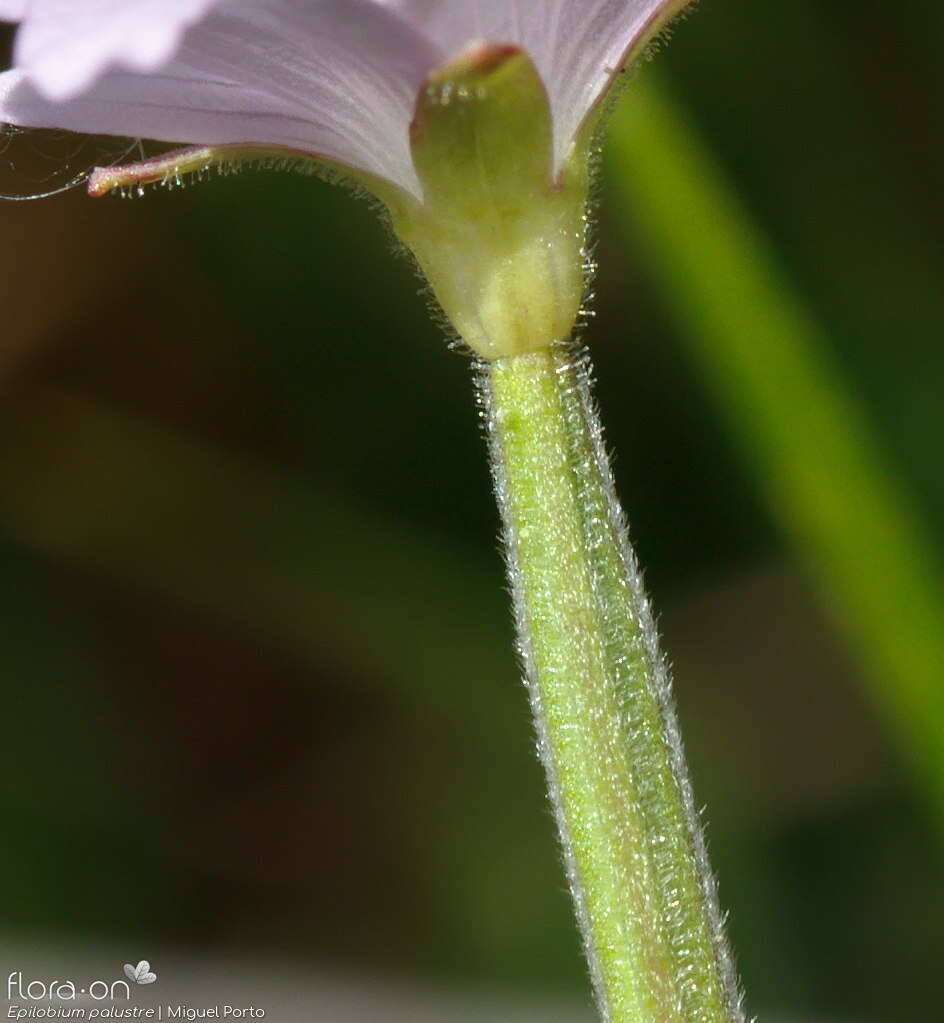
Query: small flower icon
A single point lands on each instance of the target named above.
(140, 974)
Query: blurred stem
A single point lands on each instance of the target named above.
(125, 498)
(810, 441)
(599, 690)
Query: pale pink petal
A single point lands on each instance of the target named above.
(336, 78)
(66, 44)
(577, 45)
(589, 46)
(159, 106)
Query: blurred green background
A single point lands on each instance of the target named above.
(255, 658)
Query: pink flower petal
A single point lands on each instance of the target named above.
(577, 45)
(66, 44)
(335, 78)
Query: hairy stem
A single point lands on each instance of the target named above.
(600, 692)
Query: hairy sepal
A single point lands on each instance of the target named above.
(499, 236)
(197, 163)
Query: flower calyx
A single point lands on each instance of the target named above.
(499, 233)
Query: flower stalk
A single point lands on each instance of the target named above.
(472, 123)
(600, 693)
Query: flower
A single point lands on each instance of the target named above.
(362, 86)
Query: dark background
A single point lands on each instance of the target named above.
(255, 657)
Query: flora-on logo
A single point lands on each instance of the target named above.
(140, 974)
(64, 990)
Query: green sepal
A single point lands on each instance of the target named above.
(499, 233)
